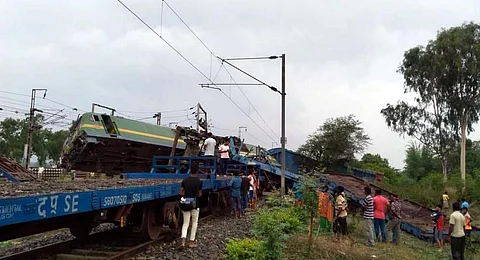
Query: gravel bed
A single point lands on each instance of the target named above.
(211, 239)
(9, 189)
(44, 239)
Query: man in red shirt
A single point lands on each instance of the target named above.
(380, 205)
(439, 219)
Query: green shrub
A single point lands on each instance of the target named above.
(242, 249)
(272, 227)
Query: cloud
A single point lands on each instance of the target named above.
(342, 58)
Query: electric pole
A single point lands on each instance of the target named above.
(28, 148)
(283, 139)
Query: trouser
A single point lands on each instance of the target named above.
(394, 225)
(458, 247)
(369, 230)
(223, 165)
(325, 225)
(379, 225)
(236, 204)
(210, 162)
(244, 203)
(186, 222)
(340, 225)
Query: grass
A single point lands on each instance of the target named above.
(327, 246)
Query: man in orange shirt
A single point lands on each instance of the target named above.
(380, 205)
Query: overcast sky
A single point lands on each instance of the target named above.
(342, 58)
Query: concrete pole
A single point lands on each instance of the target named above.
(282, 183)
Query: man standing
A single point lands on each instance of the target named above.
(236, 184)
(457, 232)
(380, 205)
(340, 222)
(468, 222)
(253, 189)
(439, 219)
(465, 204)
(244, 189)
(395, 219)
(190, 190)
(368, 215)
(445, 200)
(224, 151)
(209, 148)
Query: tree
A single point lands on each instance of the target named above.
(459, 49)
(13, 135)
(377, 163)
(429, 120)
(54, 144)
(338, 138)
(45, 143)
(419, 162)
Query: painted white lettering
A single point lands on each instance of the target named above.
(42, 212)
(53, 204)
(67, 204)
(75, 203)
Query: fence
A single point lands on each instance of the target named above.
(48, 173)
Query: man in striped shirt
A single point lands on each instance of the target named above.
(368, 215)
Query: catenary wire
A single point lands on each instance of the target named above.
(188, 61)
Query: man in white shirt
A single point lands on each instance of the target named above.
(457, 232)
(224, 151)
(209, 148)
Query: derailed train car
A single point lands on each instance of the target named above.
(113, 144)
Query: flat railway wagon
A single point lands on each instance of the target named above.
(416, 219)
(148, 201)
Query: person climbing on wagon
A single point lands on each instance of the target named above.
(224, 151)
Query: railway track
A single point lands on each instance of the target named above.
(115, 244)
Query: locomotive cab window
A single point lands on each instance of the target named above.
(109, 125)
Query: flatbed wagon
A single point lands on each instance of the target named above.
(149, 203)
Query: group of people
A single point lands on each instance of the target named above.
(208, 150)
(244, 192)
(377, 211)
(460, 225)
(381, 215)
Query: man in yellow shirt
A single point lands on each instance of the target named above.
(340, 223)
(445, 199)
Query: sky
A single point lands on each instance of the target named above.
(341, 59)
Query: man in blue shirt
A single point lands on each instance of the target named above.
(464, 203)
(235, 184)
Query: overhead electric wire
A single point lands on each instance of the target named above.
(13, 93)
(153, 112)
(222, 65)
(189, 62)
(249, 102)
